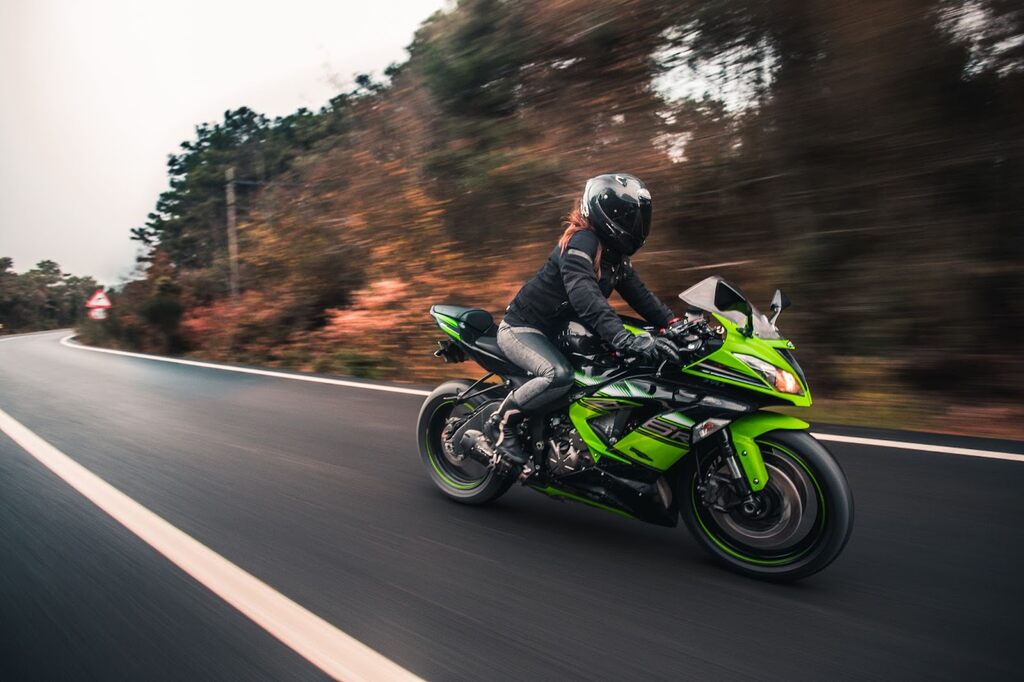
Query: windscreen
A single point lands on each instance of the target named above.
(702, 295)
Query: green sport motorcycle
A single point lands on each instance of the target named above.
(691, 439)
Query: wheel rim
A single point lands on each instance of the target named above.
(464, 474)
(789, 527)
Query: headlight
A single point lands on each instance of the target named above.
(787, 383)
(783, 381)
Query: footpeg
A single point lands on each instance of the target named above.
(526, 472)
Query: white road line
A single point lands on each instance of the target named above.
(874, 442)
(22, 335)
(924, 447)
(325, 646)
(66, 341)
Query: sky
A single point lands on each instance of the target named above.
(95, 95)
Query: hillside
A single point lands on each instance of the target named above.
(866, 160)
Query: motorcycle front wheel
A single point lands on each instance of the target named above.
(804, 522)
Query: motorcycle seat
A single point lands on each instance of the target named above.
(473, 322)
(489, 344)
(480, 335)
(489, 355)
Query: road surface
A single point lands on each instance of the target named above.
(317, 491)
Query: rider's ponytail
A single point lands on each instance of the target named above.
(573, 223)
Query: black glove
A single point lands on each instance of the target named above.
(667, 350)
(641, 345)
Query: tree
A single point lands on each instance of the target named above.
(866, 158)
(42, 298)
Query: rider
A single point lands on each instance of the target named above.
(591, 260)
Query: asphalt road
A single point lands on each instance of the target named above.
(318, 491)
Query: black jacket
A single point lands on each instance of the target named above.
(567, 288)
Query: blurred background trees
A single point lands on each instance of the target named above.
(868, 158)
(42, 298)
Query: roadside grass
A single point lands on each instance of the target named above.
(866, 392)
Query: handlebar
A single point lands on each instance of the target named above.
(691, 337)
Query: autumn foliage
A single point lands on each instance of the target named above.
(866, 158)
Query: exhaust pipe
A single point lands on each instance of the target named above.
(474, 443)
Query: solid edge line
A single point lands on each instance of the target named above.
(874, 442)
(924, 447)
(23, 335)
(66, 341)
(336, 653)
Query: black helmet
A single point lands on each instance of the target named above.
(618, 207)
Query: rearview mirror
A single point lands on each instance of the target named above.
(779, 303)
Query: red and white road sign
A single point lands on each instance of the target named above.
(99, 300)
(98, 313)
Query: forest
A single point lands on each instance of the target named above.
(41, 298)
(867, 158)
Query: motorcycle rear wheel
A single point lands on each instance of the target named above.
(807, 521)
(466, 481)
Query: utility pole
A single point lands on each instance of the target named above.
(229, 189)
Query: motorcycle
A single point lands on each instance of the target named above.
(690, 439)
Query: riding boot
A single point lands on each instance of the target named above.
(504, 431)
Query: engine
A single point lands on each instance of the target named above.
(566, 451)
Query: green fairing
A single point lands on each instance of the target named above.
(580, 413)
(635, 331)
(558, 492)
(651, 449)
(448, 325)
(450, 321)
(763, 349)
(639, 446)
(746, 430)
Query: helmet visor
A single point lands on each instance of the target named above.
(633, 219)
(644, 218)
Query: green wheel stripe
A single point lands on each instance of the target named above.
(433, 458)
(764, 562)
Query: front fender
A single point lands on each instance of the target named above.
(744, 432)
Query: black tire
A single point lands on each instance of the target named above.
(812, 524)
(470, 482)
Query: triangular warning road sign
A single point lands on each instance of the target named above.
(98, 300)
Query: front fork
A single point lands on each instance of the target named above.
(745, 485)
(742, 455)
(725, 492)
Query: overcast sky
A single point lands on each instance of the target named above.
(94, 96)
